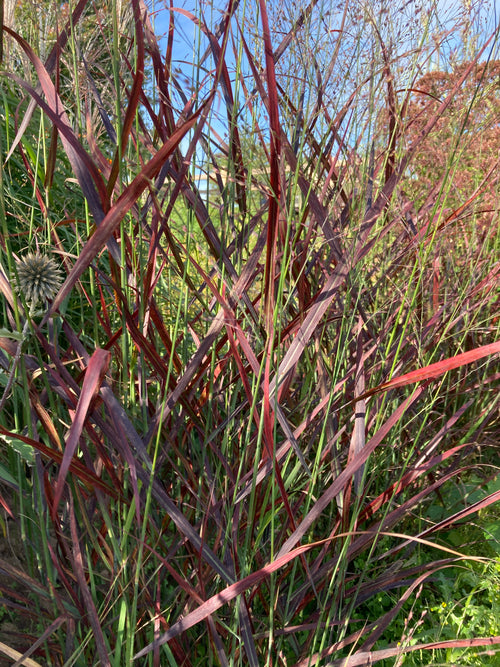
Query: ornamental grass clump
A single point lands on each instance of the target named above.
(258, 422)
(38, 278)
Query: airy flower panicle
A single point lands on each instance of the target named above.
(39, 278)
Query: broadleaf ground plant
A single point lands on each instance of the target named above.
(254, 421)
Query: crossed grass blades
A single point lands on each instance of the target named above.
(257, 422)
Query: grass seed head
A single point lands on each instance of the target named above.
(38, 278)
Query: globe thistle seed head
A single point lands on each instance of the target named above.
(39, 278)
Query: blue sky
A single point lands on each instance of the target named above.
(187, 49)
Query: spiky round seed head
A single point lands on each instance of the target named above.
(38, 278)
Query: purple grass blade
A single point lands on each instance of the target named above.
(87, 596)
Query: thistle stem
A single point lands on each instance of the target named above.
(17, 358)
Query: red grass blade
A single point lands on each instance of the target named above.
(217, 601)
(87, 476)
(371, 657)
(274, 155)
(86, 172)
(118, 211)
(94, 375)
(135, 95)
(434, 371)
(40, 641)
(344, 477)
(458, 516)
(49, 66)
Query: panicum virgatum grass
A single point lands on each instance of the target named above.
(254, 423)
